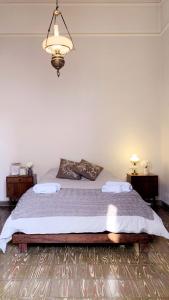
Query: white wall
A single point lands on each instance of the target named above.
(165, 104)
(105, 105)
(164, 13)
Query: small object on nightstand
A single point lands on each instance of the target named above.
(29, 166)
(145, 185)
(15, 168)
(146, 165)
(16, 186)
(22, 171)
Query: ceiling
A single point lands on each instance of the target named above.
(79, 1)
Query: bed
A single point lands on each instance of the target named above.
(81, 213)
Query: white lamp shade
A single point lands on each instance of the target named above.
(134, 158)
(58, 43)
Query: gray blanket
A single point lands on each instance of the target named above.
(80, 203)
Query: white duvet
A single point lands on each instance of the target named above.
(49, 225)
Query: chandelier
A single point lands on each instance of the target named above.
(56, 44)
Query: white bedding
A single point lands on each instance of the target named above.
(68, 224)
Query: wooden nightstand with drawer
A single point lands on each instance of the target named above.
(145, 185)
(16, 186)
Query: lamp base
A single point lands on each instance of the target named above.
(134, 172)
(57, 62)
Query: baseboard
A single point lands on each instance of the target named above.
(158, 203)
(164, 205)
(6, 203)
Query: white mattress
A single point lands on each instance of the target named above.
(49, 225)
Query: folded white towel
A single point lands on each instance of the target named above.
(46, 188)
(116, 187)
(111, 189)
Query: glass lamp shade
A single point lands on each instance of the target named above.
(57, 44)
(134, 158)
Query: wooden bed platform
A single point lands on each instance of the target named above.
(81, 238)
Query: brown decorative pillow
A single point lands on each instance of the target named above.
(87, 170)
(66, 170)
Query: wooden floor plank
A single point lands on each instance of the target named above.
(75, 272)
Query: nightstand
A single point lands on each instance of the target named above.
(16, 186)
(145, 185)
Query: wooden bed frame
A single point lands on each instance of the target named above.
(82, 238)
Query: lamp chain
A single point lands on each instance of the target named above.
(67, 29)
(54, 19)
(50, 27)
(57, 4)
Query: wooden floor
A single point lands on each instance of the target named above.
(69, 272)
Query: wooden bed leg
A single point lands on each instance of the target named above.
(23, 248)
(137, 248)
(143, 257)
(141, 249)
(144, 248)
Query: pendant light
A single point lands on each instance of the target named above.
(56, 44)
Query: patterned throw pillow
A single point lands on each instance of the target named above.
(66, 170)
(87, 170)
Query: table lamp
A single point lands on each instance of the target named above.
(134, 160)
